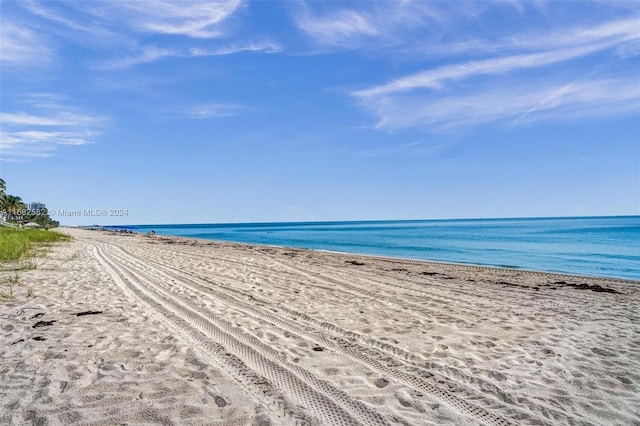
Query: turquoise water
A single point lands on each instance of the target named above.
(599, 246)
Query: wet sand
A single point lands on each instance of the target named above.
(120, 328)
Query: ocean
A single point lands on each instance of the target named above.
(596, 246)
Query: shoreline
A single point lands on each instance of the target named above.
(402, 259)
(129, 328)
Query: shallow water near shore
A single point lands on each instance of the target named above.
(597, 246)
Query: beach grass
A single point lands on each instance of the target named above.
(18, 244)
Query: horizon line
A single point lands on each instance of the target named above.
(319, 222)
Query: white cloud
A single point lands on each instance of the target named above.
(20, 45)
(36, 135)
(149, 54)
(198, 19)
(337, 28)
(629, 50)
(30, 143)
(57, 119)
(522, 103)
(47, 13)
(118, 26)
(382, 22)
(265, 47)
(59, 138)
(430, 99)
(146, 55)
(435, 78)
(209, 111)
(113, 24)
(23, 153)
(29, 119)
(416, 29)
(614, 32)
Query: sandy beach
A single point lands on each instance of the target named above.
(133, 329)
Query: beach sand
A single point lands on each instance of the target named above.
(130, 329)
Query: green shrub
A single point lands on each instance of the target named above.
(16, 244)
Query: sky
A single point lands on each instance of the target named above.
(149, 112)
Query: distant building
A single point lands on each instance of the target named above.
(35, 206)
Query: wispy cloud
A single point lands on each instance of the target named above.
(198, 19)
(338, 28)
(211, 110)
(522, 103)
(152, 53)
(50, 14)
(435, 78)
(119, 25)
(124, 34)
(57, 119)
(629, 50)
(146, 55)
(577, 43)
(19, 45)
(25, 135)
(263, 47)
(431, 98)
(614, 32)
(73, 22)
(351, 27)
(53, 138)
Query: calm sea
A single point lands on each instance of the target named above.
(599, 246)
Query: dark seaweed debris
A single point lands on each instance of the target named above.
(80, 314)
(43, 323)
(593, 287)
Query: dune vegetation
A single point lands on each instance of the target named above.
(18, 244)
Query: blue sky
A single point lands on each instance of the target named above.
(294, 111)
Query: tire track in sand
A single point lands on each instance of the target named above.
(448, 379)
(239, 355)
(368, 356)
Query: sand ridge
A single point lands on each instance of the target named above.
(199, 332)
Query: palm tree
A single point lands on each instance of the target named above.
(12, 206)
(3, 194)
